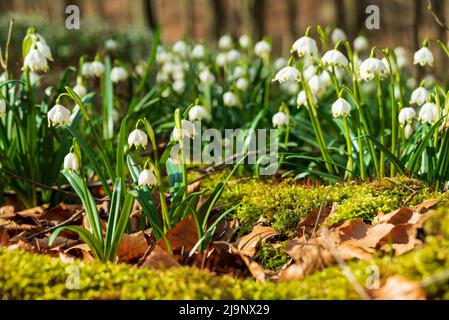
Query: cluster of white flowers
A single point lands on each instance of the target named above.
(38, 54)
(92, 69)
(118, 74)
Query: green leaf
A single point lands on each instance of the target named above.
(120, 161)
(174, 173)
(394, 160)
(108, 101)
(120, 227)
(114, 215)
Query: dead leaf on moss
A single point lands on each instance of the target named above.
(159, 259)
(248, 243)
(86, 253)
(257, 271)
(132, 247)
(426, 205)
(316, 218)
(399, 288)
(6, 212)
(183, 236)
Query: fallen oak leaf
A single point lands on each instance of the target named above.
(159, 259)
(248, 243)
(316, 217)
(399, 288)
(256, 270)
(132, 247)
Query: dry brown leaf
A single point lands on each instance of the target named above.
(315, 218)
(183, 235)
(132, 247)
(85, 251)
(4, 236)
(248, 243)
(159, 259)
(257, 271)
(6, 212)
(399, 288)
(60, 242)
(425, 206)
(66, 258)
(60, 213)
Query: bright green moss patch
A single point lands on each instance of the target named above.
(272, 256)
(286, 203)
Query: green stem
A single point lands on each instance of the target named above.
(382, 126)
(349, 146)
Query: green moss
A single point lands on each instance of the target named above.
(284, 204)
(272, 257)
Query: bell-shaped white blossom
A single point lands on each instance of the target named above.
(119, 74)
(198, 113)
(309, 72)
(198, 51)
(280, 119)
(423, 57)
(187, 130)
(301, 100)
(406, 115)
(221, 59)
(238, 72)
(262, 49)
(372, 67)
(341, 108)
(71, 162)
(97, 68)
(338, 35)
(305, 46)
(58, 115)
(361, 43)
(179, 86)
(225, 42)
(334, 58)
(232, 55)
(110, 44)
(287, 73)
(35, 61)
(429, 113)
(279, 63)
(419, 96)
(245, 41)
(87, 70)
(230, 99)
(180, 48)
(242, 84)
(138, 138)
(401, 57)
(2, 107)
(147, 178)
(317, 86)
(408, 131)
(44, 49)
(206, 77)
(80, 90)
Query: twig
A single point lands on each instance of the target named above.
(437, 19)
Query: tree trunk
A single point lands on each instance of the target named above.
(150, 13)
(187, 17)
(253, 17)
(416, 41)
(340, 17)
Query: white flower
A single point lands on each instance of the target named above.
(80, 90)
(372, 67)
(161, 77)
(245, 41)
(87, 69)
(138, 138)
(279, 63)
(238, 72)
(179, 86)
(230, 99)
(140, 68)
(44, 49)
(262, 49)
(280, 119)
(110, 44)
(305, 46)
(419, 96)
(393, 66)
(309, 72)
(401, 57)
(162, 56)
(338, 35)
(34, 78)
(180, 48)
(341, 107)
(2, 107)
(361, 43)
(35, 61)
(317, 86)
(206, 77)
(97, 68)
(118, 74)
(326, 78)
(198, 51)
(58, 115)
(198, 112)
(334, 58)
(187, 130)
(225, 42)
(287, 73)
(221, 59)
(71, 162)
(291, 87)
(408, 131)
(406, 115)
(429, 113)
(232, 55)
(301, 100)
(147, 178)
(242, 84)
(423, 57)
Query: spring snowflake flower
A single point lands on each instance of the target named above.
(338, 35)
(225, 42)
(245, 41)
(262, 49)
(341, 108)
(401, 57)
(198, 112)
(71, 162)
(221, 59)
(238, 72)
(2, 107)
(429, 113)
(198, 51)
(335, 58)
(305, 46)
(408, 131)
(419, 96)
(232, 55)
(279, 63)
(301, 100)
(118, 74)
(287, 73)
(372, 67)
(280, 119)
(206, 77)
(87, 70)
(147, 178)
(110, 44)
(317, 86)
(187, 130)
(361, 43)
(179, 86)
(35, 60)
(406, 115)
(309, 72)
(138, 138)
(180, 48)
(230, 99)
(423, 57)
(80, 90)
(58, 115)
(242, 84)
(97, 68)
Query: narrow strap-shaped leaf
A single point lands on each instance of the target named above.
(174, 173)
(120, 161)
(394, 160)
(114, 215)
(120, 226)
(108, 101)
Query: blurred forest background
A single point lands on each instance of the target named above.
(402, 22)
